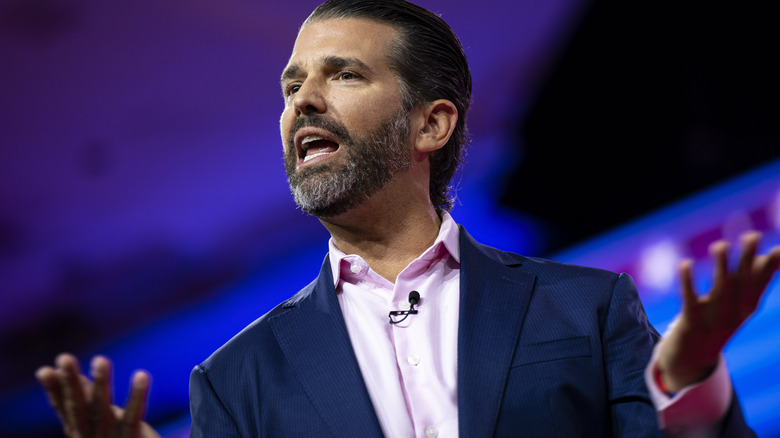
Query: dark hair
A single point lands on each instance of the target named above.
(430, 63)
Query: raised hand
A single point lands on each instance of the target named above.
(692, 346)
(85, 406)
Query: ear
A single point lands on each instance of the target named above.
(434, 125)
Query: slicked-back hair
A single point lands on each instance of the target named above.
(429, 61)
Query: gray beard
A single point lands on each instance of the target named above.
(327, 190)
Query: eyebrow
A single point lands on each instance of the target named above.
(328, 62)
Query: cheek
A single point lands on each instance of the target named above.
(365, 116)
(285, 124)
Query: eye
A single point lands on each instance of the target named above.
(292, 89)
(347, 76)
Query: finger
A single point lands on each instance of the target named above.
(136, 405)
(689, 295)
(73, 399)
(47, 376)
(769, 265)
(749, 248)
(102, 415)
(719, 252)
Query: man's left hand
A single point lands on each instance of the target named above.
(691, 348)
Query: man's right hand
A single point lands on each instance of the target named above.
(85, 406)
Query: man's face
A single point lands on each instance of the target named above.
(344, 131)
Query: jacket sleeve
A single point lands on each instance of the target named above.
(628, 339)
(210, 418)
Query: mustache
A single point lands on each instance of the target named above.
(317, 121)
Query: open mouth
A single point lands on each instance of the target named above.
(313, 147)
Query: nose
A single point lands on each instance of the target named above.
(309, 99)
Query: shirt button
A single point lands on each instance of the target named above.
(413, 359)
(404, 305)
(355, 268)
(431, 432)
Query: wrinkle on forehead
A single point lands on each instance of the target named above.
(328, 61)
(353, 35)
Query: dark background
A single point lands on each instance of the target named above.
(650, 102)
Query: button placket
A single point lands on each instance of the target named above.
(408, 355)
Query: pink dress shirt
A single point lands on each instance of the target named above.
(410, 369)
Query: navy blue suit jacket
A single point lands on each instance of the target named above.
(544, 350)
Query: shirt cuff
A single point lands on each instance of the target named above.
(696, 410)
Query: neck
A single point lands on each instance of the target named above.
(387, 234)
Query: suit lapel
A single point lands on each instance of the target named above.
(493, 300)
(315, 342)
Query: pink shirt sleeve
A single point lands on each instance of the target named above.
(697, 410)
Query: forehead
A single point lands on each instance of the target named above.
(363, 39)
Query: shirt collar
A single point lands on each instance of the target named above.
(448, 238)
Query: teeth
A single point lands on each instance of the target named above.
(309, 157)
(311, 138)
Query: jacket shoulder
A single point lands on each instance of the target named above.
(545, 267)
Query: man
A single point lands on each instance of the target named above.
(500, 345)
